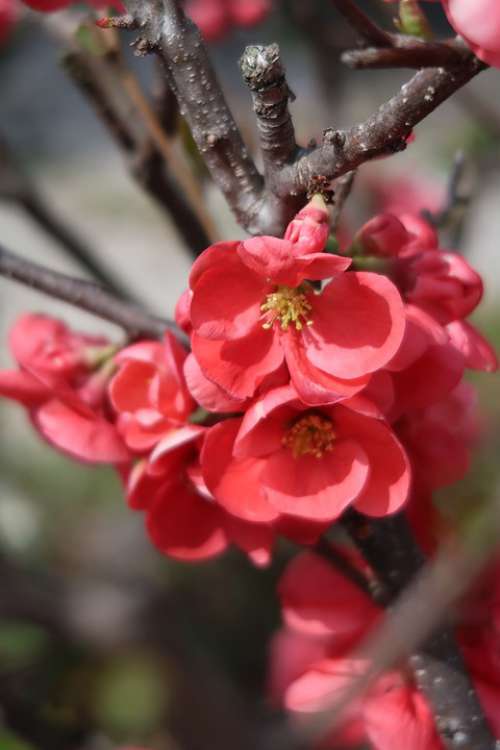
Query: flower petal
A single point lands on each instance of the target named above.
(234, 483)
(358, 325)
(226, 301)
(388, 484)
(239, 367)
(185, 526)
(316, 488)
(88, 439)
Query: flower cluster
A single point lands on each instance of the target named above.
(310, 388)
(315, 658)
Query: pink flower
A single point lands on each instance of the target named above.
(182, 518)
(478, 23)
(253, 307)
(149, 392)
(327, 617)
(439, 438)
(62, 381)
(216, 17)
(440, 282)
(284, 459)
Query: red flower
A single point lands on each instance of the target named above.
(440, 282)
(439, 438)
(285, 459)
(149, 392)
(252, 309)
(327, 617)
(216, 17)
(182, 518)
(62, 382)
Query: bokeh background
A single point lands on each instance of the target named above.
(104, 642)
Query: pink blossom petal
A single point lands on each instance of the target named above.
(358, 325)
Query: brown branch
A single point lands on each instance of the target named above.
(368, 30)
(16, 187)
(178, 43)
(264, 75)
(101, 87)
(389, 547)
(406, 53)
(342, 191)
(267, 207)
(86, 296)
(383, 133)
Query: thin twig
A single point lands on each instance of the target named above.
(86, 296)
(451, 215)
(178, 43)
(146, 163)
(16, 187)
(368, 31)
(406, 54)
(342, 191)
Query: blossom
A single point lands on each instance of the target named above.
(439, 438)
(479, 24)
(216, 17)
(253, 307)
(149, 393)
(61, 380)
(182, 518)
(285, 459)
(326, 618)
(317, 656)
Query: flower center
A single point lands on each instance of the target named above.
(289, 305)
(311, 435)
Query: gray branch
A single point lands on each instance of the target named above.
(86, 296)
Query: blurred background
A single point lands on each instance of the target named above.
(104, 642)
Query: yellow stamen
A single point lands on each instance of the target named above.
(311, 435)
(289, 305)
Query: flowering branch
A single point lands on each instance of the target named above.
(265, 206)
(439, 670)
(84, 295)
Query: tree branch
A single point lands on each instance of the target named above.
(389, 547)
(145, 161)
(267, 207)
(178, 43)
(86, 296)
(406, 53)
(383, 133)
(15, 186)
(342, 191)
(264, 75)
(367, 29)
